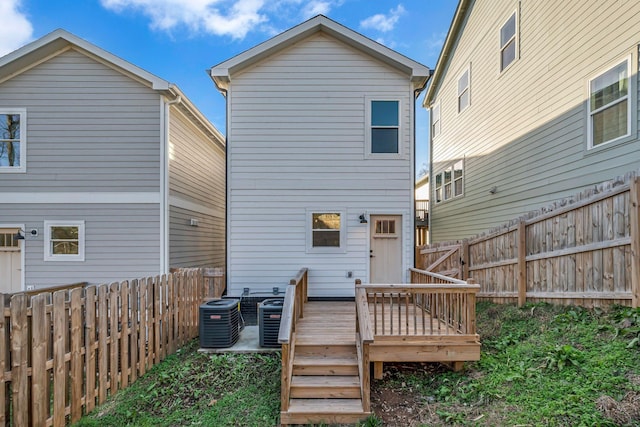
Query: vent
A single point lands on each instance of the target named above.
(269, 313)
(219, 323)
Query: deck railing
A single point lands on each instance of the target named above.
(292, 310)
(433, 305)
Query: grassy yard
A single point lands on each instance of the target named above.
(541, 366)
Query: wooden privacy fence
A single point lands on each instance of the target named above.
(65, 352)
(586, 252)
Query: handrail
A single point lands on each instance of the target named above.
(445, 279)
(364, 337)
(363, 317)
(292, 310)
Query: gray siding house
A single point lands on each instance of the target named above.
(320, 160)
(108, 171)
(531, 102)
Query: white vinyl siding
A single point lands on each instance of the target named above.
(13, 140)
(90, 127)
(509, 42)
(527, 131)
(609, 106)
(196, 191)
(296, 142)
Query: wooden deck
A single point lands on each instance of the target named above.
(327, 347)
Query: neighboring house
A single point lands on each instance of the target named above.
(531, 102)
(320, 160)
(107, 171)
(422, 210)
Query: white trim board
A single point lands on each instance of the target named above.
(80, 197)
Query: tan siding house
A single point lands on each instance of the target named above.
(107, 171)
(320, 151)
(531, 102)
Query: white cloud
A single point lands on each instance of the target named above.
(16, 30)
(220, 17)
(316, 7)
(382, 22)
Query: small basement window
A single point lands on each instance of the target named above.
(64, 240)
(326, 231)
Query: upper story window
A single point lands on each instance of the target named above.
(383, 127)
(508, 42)
(463, 91)
(326, 231)
(609, 105)
(435, 120)
(64, 240)
(450, 182)
(13, 146)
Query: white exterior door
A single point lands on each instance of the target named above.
(386, 249)
(10, 261)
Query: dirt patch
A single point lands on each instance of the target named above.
(623, 412)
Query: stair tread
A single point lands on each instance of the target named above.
(325, 381)
(311, 360)
(326, 406)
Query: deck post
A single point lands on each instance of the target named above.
(377, 370)
(522, 263)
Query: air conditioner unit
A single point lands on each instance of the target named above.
(219, 323)
(269, 314)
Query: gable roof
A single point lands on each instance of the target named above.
(59, 41)
(221, 73)
(447, 49)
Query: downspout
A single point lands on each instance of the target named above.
(416, 94)
(225, 92)
(164, 186)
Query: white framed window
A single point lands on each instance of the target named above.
(64, 240)
(435, 120)
(326, 231)
(609, 105)
(449, 183)
(13, 140)
(509, 41)
(464, 99)
(382, 127)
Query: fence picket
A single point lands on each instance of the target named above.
(75, 376)
(39, 377)
(62, 353)
(19, 364)
(60, 330)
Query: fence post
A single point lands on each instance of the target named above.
(634, 217)
(522, 262)
(465, 259)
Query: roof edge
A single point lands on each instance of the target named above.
(222, 72)
(454, 28)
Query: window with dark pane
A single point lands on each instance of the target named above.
(385, 124)
(326, 229)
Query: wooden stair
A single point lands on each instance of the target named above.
(325, 384)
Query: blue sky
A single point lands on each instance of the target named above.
(179, 39)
